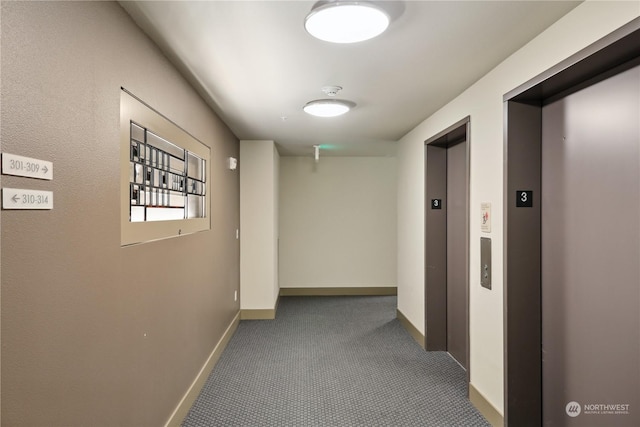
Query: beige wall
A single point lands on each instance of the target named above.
(94, 334)
(337, 222)
(483, 102)
(258, 225)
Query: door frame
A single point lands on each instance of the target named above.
(457, 133)
(611, 55)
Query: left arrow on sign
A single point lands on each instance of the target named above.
(15, 198)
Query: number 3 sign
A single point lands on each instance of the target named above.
(524, 199)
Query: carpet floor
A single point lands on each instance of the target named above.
(332, 361)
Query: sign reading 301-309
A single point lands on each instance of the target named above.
(13, 164)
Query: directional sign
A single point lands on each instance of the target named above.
(26, 166)
(16, 198)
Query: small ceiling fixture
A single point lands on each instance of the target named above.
(331, 90)
(328, 107)
(340, 21)
(316, 153)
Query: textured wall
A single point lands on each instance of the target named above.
(337, 222)
(94, 333)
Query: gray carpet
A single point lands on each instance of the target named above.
(332, 361)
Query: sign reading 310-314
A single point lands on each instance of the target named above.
(18, 198)
(13, 164)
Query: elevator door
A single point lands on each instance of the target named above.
(591, 255)
(456, 247)
(446, 249)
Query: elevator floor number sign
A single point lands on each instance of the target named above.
(524, 199)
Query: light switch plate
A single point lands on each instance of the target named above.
(232, 163)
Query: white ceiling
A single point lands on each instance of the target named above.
(254, 63)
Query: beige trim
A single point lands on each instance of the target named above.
(260, 314)
(413, 331)
(352, 291)
(495, 418)
(181, 411)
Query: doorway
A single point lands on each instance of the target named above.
(572, 294)
(447, 243)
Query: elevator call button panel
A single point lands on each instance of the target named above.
(485, 262)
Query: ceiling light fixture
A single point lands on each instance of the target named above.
(340, 21)
(328, 107)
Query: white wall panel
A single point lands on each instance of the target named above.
(258, 225)
(337, 222)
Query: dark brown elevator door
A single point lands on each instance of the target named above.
(591, 255)
(456, 258)
(446, 250)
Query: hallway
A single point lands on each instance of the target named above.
(107, 320)
(332, 361)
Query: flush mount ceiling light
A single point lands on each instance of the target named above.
(328, 107)
(346, 21)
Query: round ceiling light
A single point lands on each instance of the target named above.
(346, 21)
(328, 107)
